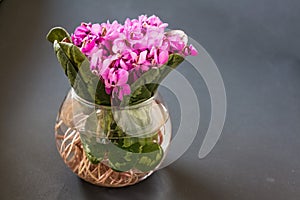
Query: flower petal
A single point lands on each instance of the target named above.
(193, 51)
(96, 29)
(142, 57)
(108, 90)
(163, 57)
(122, 77)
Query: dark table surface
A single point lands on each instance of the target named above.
(256, 46)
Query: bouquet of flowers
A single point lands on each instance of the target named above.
(120, 65)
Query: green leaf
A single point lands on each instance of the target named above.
(77, 68)
(102, 138)
(74, 54)
(71, 70)
(95, 86)
(122, 160)
(139, 95)
(174, 60)
(150, 157)
(93, 159)
(58, 34)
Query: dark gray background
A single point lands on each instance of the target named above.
(255, 44)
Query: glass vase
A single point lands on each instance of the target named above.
(112, 146)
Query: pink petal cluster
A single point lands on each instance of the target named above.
(115, 51)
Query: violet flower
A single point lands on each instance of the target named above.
(116, 82)
(114, 49)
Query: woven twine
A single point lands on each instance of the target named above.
(71, 150)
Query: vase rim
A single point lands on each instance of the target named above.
(89, 103)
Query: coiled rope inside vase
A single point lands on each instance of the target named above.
(70, 148)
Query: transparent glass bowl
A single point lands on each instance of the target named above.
(112, 146)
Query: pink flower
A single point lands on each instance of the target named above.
(117, 50)
(116, 82)
(163, 57)
(160, 56)
(80, 33)
(96, 29)
(193, 51)
(100, 62)
(177, 40)
(87, 37)
(155, 37)
(88, 45)
(111, 30)
(119, 45)
(155, 21)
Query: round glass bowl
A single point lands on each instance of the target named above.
(112, 146)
